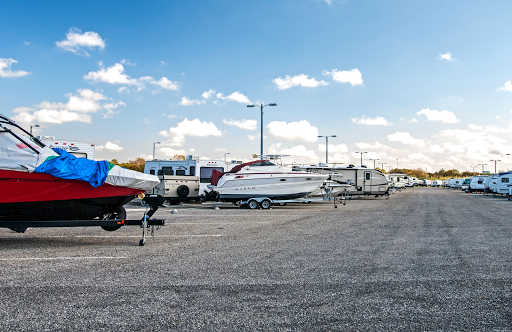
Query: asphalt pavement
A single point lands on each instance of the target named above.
(424, 259)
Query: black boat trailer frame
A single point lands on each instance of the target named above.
(144, 223)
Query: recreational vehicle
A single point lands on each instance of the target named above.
(490, 183)
(413, 182)
(183, 180)
(76, 148)
(504, 181)
(455, 183)
(437, 183)
(363, 181)
(399, 180)
(477, 183)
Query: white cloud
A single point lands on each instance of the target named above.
(340, 148)
(208, 94)
(254, 137)
(189, 102)
(75, 40)
(488, 129)
(187, 127)
(405, 138)
(112, 75)
(506, 87)
(447, 56)
(243, 124)
(352, 76)
(170, 152)
(5, 69)
(299, 153)
(76, 109)
(377, 121)
(299, 80)
(170, 116)
(110, 146)
(376, 145)
(301, 131)
(442, 116)
(165, 83)
(163, 63)
(413, 120)
(235, 96)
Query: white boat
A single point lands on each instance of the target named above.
(263, 178)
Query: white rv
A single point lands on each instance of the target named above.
(76, 148)
(174, 171)
(437, 183)
(504, 181)
(446, 183)
(399, 180)
(455, 183)
(363, 181)
(490, 183)
(477, 183)
(413, 182)
(465, 184)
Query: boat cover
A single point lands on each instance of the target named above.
(17, 156)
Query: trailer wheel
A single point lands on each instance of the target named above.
(266, 204)
(120, 213)
(493, 194)
(183, 191)
(252, 204)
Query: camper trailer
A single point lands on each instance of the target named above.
(503, 182)
(399, 180)
(477, 184)
(455, 183)
(76, 148)
(183, 180)
(490, 183)
(363, 181)
(413, 182)
(437, 183)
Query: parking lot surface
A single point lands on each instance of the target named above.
(425, 259)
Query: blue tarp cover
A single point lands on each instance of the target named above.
(70, 167)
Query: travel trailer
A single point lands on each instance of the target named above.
(412, 181)
(446, 183)
(455, 183)
(183, 180)
(399, 180)
(437, 183)
(76, 148)
(504, 181)
(490, 183)
(363, 181)
(477, 183)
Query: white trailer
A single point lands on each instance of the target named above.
(399, 180)
(490, 183)
(192, 170)
(76, 148)
(362, 180)
(437, 183)
(465, 184)
(477, 183)
(503, 183)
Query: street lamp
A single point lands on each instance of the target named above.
(383, 167)
(154, 149)
(389, 170)
(495, 161)
(327, 147)
(261, 106)
(396, 163)
(225, 154)
(361, 157)
(474, 173)
(34, 126)
(374, 162)
(482, 168)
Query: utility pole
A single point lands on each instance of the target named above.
(327, 147)
(261, 106)
(361, 157)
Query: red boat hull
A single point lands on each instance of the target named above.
(32, 196)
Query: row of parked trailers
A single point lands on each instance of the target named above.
(495, 184)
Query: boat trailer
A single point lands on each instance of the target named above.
(107, 224)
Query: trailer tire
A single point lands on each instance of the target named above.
(252, 204)
(183, 191)
(120, 213)
(266, 204)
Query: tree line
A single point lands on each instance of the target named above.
(440, 174)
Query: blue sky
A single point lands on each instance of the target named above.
(422, 81)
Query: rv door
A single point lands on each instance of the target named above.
(367, 182)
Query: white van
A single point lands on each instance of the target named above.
(477, 184)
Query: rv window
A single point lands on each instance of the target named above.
(166, 171)
(152, 172)
(192, 170)
(263, 163)
(79, 154)
(504, 180)
(180, 172)
(480, 182)
(367, 176)
(205, 173)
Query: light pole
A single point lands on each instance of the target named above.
(361, 157)
(389, 170)
(34, 126)
(383, 166)
(396, 163)
(495, 161)
(482, 168)
(327, 147)
(374, 162)
(261, 106)
(225, 154)
(474, 173)
(154, 149)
